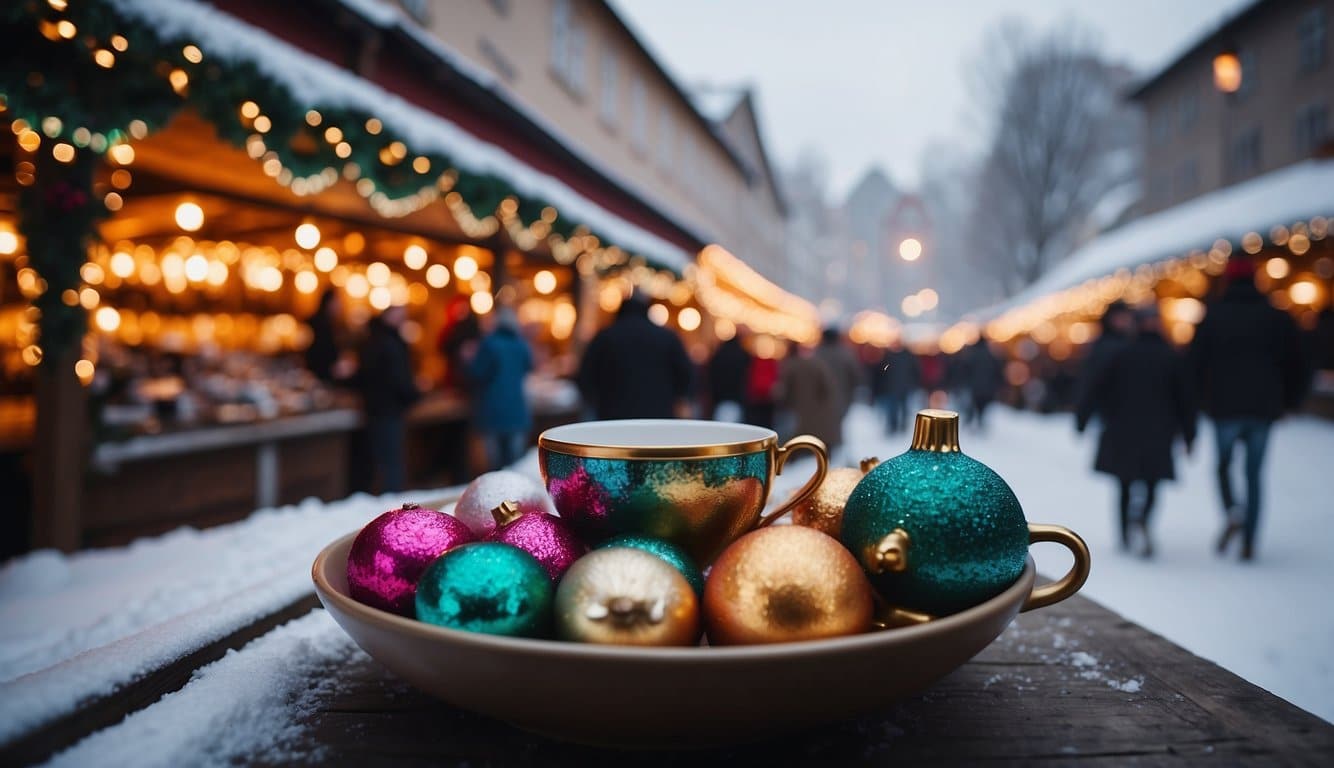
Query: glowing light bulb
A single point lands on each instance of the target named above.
(189, 216)
(307, 235)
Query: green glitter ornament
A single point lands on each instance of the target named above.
(666, 550)
(935, 530)
(486, 587)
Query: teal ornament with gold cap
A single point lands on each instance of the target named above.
(936, 530)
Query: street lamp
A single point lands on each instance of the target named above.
(1227, 72)
(1227, 80)
(910, 249)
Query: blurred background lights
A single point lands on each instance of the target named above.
(308, 235)
(189, 216)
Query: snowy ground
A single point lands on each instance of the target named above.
(1263, 620)
(72, 627)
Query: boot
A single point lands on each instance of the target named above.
(1230, 532)
(1146, 543)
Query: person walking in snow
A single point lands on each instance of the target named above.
(1142, 396)
(1246, 357)
(634, 369)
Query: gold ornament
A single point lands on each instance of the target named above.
(783, 584)
(623, 596)
(823, 511)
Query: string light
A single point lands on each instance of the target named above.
(437, 275)
(544, 282)
(189, 216)
(307, 235)
(414, 256)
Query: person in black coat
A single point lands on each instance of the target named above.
(1118, 328)
(633, 369)
(983, 373)
(323, 353)
(1247, 361)
(899, 375)
(728, 370)
(1142, 394)
(384, 376)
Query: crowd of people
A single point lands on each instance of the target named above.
(1244, 369)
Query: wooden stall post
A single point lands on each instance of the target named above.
(57, 215)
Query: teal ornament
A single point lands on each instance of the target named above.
(665, 550)
(486, 587)
(935, 530)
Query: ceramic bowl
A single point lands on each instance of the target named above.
(661, 697)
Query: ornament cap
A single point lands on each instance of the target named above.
(869, 463)
(936, 430)
(890, 554)
(506, 513)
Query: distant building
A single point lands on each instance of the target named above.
(1200, 138)
(867, 209)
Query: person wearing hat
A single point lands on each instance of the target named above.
(1246, 357)
(1142, 396)
(497, 371)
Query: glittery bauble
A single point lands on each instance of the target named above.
(487, 491)
(624, 596)
(486, 587)
(546, 537)
(390, 553)
(823, 510)
(667, 551)
(936, 530)
(782, 584)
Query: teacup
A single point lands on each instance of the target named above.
(699, 484)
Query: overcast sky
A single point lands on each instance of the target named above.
(875, 81)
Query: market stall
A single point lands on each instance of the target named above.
(185, 188)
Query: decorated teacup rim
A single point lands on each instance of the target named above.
(657, 439)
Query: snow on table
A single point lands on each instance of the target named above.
(73, 627)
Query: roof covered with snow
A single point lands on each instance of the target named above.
(317, 82)
(1284, 196)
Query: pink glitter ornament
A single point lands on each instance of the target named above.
(392, 551)
(487, 491)
(546, 537)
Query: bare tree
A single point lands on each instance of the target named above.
(1058, 135)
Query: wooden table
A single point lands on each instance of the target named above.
(1072, 684)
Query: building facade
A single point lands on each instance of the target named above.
(1201, 138)
(582, 72)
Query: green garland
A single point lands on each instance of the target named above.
(43, 77)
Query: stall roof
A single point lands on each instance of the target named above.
(1281, 197)
(318, 82)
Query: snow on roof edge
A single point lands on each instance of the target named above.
(315, 81)
(1282, 196)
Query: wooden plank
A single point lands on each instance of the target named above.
(99, 713)
(1071, 684)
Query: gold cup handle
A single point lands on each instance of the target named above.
(1067, 585)
(816, 446)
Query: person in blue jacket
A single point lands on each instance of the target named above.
(497, 370)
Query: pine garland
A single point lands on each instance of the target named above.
(49, 74)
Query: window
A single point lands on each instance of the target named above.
(1188, 178)
(638, 115)
(1311, 129)
(665, 138)
(567, 47)
(1311, 36)
(1245, 154)
(1188, 112)
(610, 89)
